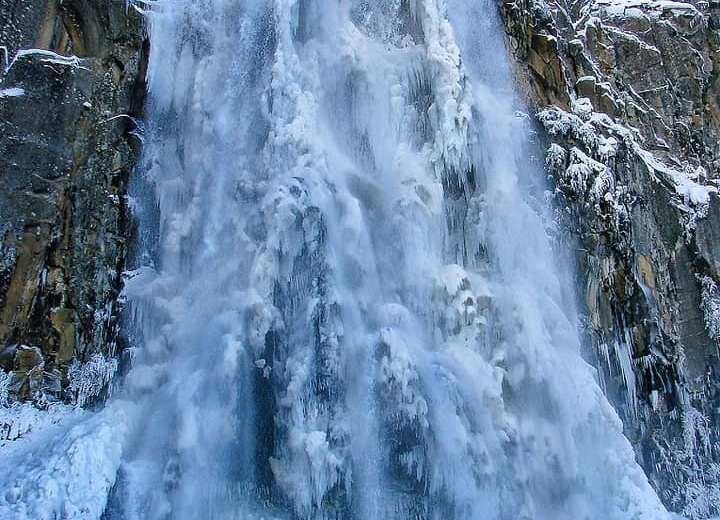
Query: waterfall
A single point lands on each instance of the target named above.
(347, 303)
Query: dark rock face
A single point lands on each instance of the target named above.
(628, 98)
(69, 95)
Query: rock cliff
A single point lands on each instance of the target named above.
(71, 90)
(626, 96)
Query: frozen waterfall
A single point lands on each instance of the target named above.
(347, 304)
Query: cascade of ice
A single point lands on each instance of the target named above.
(349, 305)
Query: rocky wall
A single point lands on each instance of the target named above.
(71, 94)
(626, 97)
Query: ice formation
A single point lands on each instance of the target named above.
(348, 305)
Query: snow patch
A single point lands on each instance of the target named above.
(12, 92)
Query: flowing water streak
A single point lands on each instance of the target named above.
(349, 306)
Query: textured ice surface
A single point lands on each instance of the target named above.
(353, 309)
(62, 465)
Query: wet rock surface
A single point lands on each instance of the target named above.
(71, 93)
(627, 99)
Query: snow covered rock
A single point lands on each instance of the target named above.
(626, 92)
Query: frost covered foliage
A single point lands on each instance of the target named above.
(710, 306)
(696, 483)
(90, 379)
(703, 493)
(4, 388)
(583, 165)
(19, 419)
(585, 171)
(16, 419)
